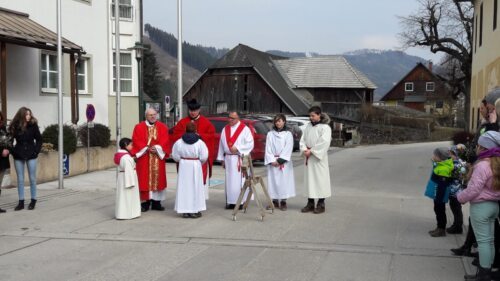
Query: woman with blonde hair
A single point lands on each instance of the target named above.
(483, 193)
(27, 144)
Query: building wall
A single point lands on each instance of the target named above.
(246, 92)
(85, 23)
(485, 58)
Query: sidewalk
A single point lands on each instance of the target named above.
(72, 235)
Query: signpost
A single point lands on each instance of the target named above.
(90, 113)
(167, 106)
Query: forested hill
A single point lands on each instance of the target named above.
(196, 56)
(384, 68)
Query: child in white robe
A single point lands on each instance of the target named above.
(279, 147)
(190, 152)
(128, 202)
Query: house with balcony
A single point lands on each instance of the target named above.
(28, 60)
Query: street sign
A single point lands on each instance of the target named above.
(90, 112)
(167, 106)
(65, 164)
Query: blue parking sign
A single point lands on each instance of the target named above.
(65, 164)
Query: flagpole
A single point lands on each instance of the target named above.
(59, 96)
(179, 58)
(117, 71)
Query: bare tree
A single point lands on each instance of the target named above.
(444, 26)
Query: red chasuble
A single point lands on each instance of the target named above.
(151, 170)
(206, 130)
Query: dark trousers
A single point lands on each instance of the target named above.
(440, 206)
(456, 209)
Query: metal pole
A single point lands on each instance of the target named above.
(179, 57)
(59, 96)
(117, 71)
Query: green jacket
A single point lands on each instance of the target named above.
(444, 168)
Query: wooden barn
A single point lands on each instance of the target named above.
(246, 80)
(252, 81)
(330, 81)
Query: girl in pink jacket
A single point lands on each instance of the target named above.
(483, 193)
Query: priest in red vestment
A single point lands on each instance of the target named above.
(151, 145)
(206, 130)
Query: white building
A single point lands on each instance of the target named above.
(29, 60)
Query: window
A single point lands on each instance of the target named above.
(429, 86)
(125, 9)
(219, 125)
(221, 106)
(245, 103)
(495, 11)
(260, 128)
(82, 73)
(481, 25)
(409, 87)
(475, 36)
(48, 71)
(125, 72)
(439, 104)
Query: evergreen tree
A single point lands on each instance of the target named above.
(151, 74)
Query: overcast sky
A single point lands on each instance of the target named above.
(322, 26)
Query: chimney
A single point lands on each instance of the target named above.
(430, 65)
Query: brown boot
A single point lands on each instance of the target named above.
(309, 207)
(438, 232)
(320, 208)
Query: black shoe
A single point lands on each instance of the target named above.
(145, 206)
(186, 216)
(156, 205)
(462, 251)
(475, 262)
(2, 210)
(482, 274)
(455, 229)
(19, 206)
(32, 204)
(196, 215)
(230, 206)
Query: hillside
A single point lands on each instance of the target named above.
(168, 66)
(383, 67)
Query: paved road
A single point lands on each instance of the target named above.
(375, 228)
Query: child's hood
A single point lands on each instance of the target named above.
(444, 168)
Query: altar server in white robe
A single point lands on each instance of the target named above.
(314, 146)
(190, 152)
(279, 147)
(236, 140)
(128, 202)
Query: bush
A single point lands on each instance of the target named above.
(99, 135)
(50, 135)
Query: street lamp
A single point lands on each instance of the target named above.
(139, 49)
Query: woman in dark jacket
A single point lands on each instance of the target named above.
(28, 143)
(4, 150)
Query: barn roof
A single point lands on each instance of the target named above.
(324, 72)
(264, 64)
